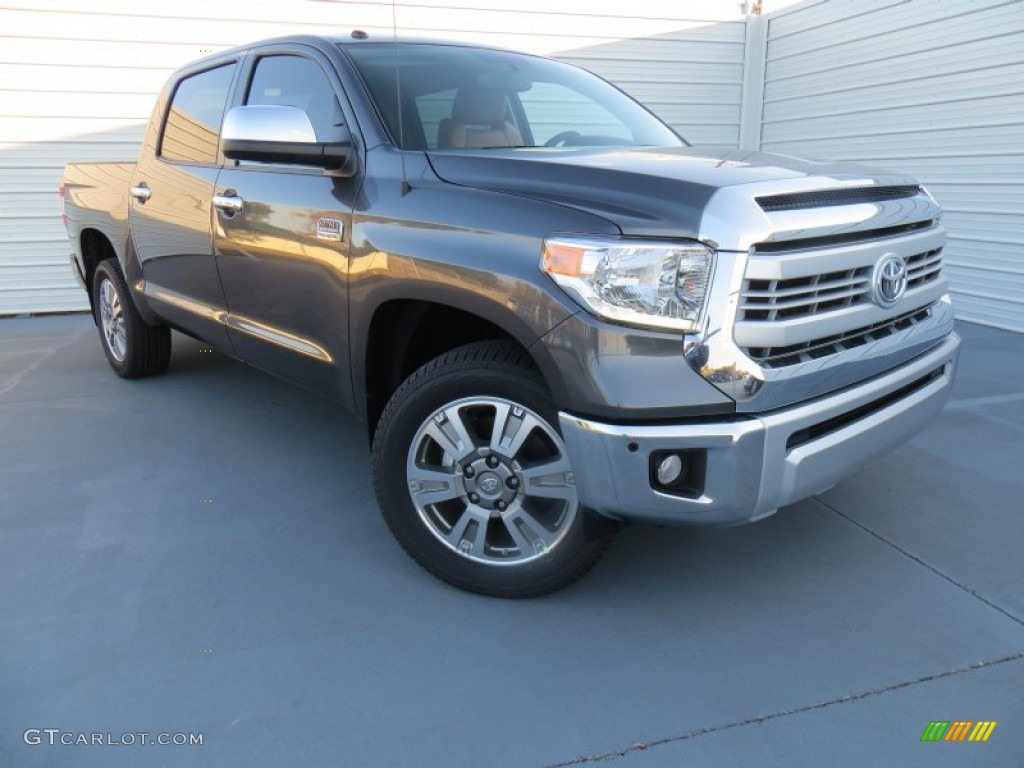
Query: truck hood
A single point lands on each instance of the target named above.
(644, 191)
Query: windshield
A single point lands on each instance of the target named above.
(457, 97)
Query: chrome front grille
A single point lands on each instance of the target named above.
(811, 301)
(923, 268)
(798, 306)
(780, 357)
(770, 300)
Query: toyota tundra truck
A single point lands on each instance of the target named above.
(552, 314)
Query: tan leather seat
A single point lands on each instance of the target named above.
(478, 120)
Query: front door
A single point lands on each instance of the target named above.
(283, 256)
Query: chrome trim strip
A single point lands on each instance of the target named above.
(176, 299)
(278, 337)
(258, 330)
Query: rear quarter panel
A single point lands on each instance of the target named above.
(96, 197)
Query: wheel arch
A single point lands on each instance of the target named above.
(95, 246)
(404, 333)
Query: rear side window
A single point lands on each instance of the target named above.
(193, 121)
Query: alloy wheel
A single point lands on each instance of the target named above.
(112, 321)
(491, 480)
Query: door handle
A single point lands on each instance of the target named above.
(230, 204)
(141, 192)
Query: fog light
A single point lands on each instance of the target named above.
(679, 472)
(669, 469)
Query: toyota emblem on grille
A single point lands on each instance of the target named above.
(889, 281)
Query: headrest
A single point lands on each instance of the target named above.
(480, 106)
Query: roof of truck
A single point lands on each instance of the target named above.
(346, 39)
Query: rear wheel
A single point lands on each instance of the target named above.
(133, 348)
(474, 480)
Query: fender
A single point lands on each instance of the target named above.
(470, 249)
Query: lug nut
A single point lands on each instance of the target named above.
(474, 498)
(468, 472)
(500, 505)
(512, 482)
(492, 461)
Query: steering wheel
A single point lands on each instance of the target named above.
(560, 139)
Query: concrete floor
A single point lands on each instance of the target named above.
(201, 552)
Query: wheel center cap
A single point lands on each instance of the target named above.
(489, 484)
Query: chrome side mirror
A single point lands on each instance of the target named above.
(279, 134)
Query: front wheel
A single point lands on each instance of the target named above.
(474, 480)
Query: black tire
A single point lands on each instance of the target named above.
(469, 381)
(133, 348)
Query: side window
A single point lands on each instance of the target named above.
(552, 108)
(295, 81)
(432, 109)
(193, 120)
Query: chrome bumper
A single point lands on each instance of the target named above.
(756, 465)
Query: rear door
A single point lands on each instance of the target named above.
(283, 258)
(170, 213)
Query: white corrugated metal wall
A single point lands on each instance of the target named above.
(78, 80)
(931, 87)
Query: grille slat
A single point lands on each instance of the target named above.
(921, 259)
(837, 285)
(780, 357)
(843, 238)
(924, 274)
(923, 268)
(814, 299)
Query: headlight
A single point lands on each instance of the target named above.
(654, 284)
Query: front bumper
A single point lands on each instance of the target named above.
(757, 464)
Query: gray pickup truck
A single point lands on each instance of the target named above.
(551, 313)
